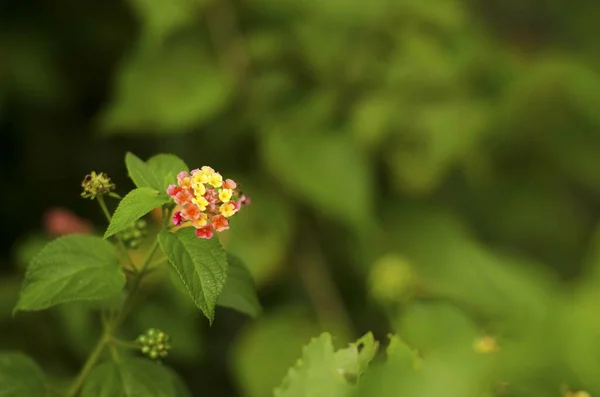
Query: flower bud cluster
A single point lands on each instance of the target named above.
(154, 343)
(133, 235)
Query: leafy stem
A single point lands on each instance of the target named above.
(112, 325)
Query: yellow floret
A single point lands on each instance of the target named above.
(198, 223)
(201, 202)
(206, 170)
(227, 209)
(216, 180)
(225, 195)
(199, 188)
(200, 178)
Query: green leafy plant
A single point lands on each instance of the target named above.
(77, 268)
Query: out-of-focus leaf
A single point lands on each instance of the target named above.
(326, 170)
(20, 376)
(401, 355)
(129, 378)
(453, 265)
(445, 135)
(167, 90)
(261, 233)
(426, 327)
(268, 347)
(162, 17)
(239, 292)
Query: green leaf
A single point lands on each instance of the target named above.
(166, 167)
(162, 17)
(201, 264)
(354, 360)
(71, 268)
(167, 89)
(141, 173)
(136, 204)
(401, 355)
(337, 178)
(316, 374)
(20, 376)
(239, 292)
(129, 378)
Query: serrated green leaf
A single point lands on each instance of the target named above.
(316, 374)
(239, 292)
(133, 377)
(401, 355)
(201, 264)
(71, 268)
(136, 204)
(20, 376)
(166, 167)
(354, 360)
(141, 173)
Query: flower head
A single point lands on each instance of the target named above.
(206, 199)
(96, 184)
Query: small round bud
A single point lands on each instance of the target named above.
(155, 343)
(141, 224)
(134, 244)
(137, 233)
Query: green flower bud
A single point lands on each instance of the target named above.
(141, 224)
(146, 349)
(392, 280)
(154, 354)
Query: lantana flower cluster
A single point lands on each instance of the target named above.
(207, 201)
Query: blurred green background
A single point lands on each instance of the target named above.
(429, 167)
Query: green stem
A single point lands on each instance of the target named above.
(126, 344)
(87, 367)
(121, 243)
(135, 286)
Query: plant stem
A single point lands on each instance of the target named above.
(135, 286)
(87, 367)
(121, 243)
(126, 344)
